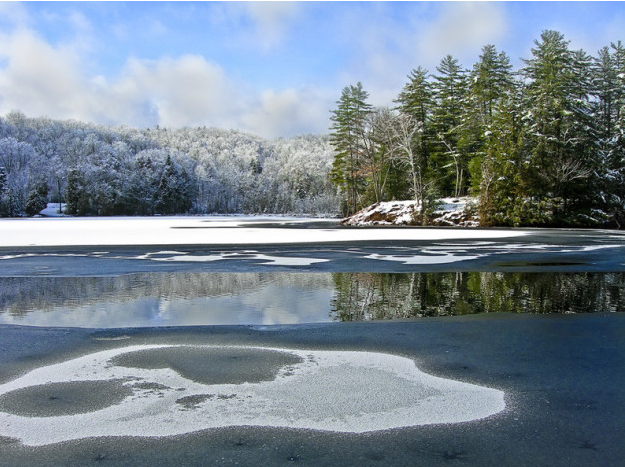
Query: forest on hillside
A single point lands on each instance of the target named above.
(102, 170)
(543, 145)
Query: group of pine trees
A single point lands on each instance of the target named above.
(544, 145)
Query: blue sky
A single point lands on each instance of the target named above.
(274, 69)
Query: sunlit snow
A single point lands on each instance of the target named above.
(208, 231)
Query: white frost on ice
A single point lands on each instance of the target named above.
(423, 259)
(352, 392)
(253, 255)
(453, 253)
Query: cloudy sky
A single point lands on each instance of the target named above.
(274, 69)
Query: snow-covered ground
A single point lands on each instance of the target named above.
(52, 210)
(451, 211)
(209, 230)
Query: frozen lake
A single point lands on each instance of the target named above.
(271, 341)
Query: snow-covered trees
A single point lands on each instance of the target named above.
(544, 145)
(98, 170)
(541, 146)
(609, 113)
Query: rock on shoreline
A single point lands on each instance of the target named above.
(451, 212)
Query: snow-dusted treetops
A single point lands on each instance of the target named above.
(99, 170)
(543, 145)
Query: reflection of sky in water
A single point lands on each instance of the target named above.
(187, 299)
(264, 302)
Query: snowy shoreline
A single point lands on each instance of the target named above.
(208, 230)
(450, 212)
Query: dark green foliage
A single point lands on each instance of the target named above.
(76, 195)
(37, 199)
(375, 296)
(173, 194)
(9, 204)
(348, 138)
(561, 153)
(544, 146)
(450, 156)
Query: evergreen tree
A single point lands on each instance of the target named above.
(37, 199)
(76, 194)
(347, 136)
(504, 186)
(173, 194)
(608, 112)
(4, 188)
(416, 100)
(450, 160)
(556, 100)
(490, 80)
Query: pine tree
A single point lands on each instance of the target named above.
(556, 100)
(504, 187)
(450, 162)
(173, 194)
(4, 188)
(608, 111)
(76, 196)
(416, 99)
(37, 199)
(347, 136)
(490, 80)
(417, 102)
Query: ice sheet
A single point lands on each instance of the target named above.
(206, 231)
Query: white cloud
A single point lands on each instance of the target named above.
(14, 13)
(461, 27)
(38, 78)
(41, 79)
(288, 112)
(186, 91)
(270, 21)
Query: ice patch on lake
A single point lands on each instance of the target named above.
(454, 253)
(339, 391)
(423, 259)
(248, 255)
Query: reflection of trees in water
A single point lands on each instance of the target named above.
(357, 296)
(369, 296)
(20, 295)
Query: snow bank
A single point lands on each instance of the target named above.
(451, 212)
(52, 210)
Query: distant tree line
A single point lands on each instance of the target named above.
(544, 145)
(102, 170)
